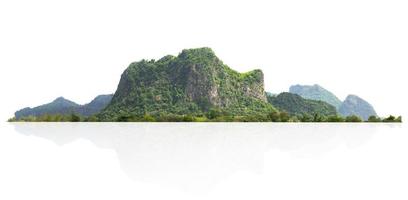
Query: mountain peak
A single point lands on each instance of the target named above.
(197, 51)
(64, 102)
(315, 92)
(202, 55)
(355, 105)
(60, 99)
(353, 96)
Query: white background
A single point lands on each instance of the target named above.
(79, 48)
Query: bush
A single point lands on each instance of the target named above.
(399, 119)
(74, 118)
(148, 118)
(306, 118)
(294, 119)
(284, 117)
(335, 118)
(274, 116)
(213, 113)
(188, 118)
(319, 118)
(373, 118)
(353, 118)
(392, 119)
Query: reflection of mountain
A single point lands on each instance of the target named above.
(198, 155)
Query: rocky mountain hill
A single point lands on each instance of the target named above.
(354, 105)
(193, 82)
(315, 92)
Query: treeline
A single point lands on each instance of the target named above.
(51, 118)
(211, 116)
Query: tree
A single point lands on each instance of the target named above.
(392, 118)
(318, 118)
(294, 119)
(213, 113)
(353, 118)
(335, 118)
(148, 118)
(92, 118)
(124, 118)
(274, 116)
(389, 119)
(373, 118)
(188, 118)
(284, 116)
(75, 118)
(306, 118)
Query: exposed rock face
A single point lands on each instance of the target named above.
(193, 82)
(296, 105)
(63, 106)
(255, 87)
(354, 105)
(315, 92)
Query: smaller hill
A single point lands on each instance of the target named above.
(315, 92)
(354, 105)
(64, 106)
(296, 105)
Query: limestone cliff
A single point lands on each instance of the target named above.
(192, 83)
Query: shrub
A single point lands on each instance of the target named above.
(353, 118)
(335, 118)
(373, 118)
(74, 118)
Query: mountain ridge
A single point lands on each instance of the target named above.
(63, 106)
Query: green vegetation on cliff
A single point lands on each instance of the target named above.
(298, 106)
(192, 83)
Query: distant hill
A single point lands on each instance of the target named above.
(58, 106)
(354, 105)
(64, 107)
(95, 106)
(192, 83)
(296, 105)
(315, 92)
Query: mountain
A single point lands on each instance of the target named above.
(63, 106)
(194, 82)
(315, 92)
(296, 105)
(58, 106)
(354, 105)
